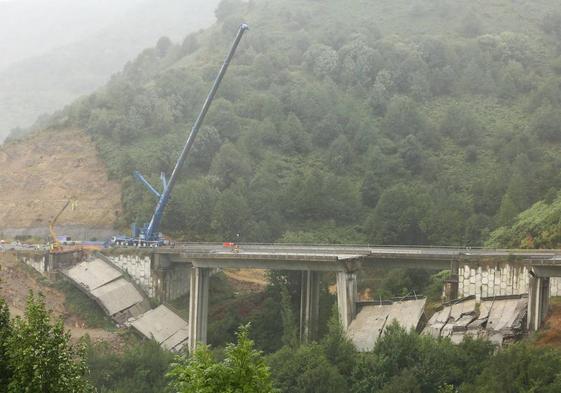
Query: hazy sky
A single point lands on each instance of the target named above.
(53, 51)
(33, 27)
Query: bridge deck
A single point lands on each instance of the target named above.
(343, 257)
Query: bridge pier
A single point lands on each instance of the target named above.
(198, 306)
(452, 285)
(309, 306)
(347, 296)
(538, 301)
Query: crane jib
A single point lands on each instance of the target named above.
(152, 230)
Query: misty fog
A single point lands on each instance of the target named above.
(54, 51)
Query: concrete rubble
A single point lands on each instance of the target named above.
(126, 304)
(499, 319)
(371, 321)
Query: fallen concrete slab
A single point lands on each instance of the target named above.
(126, 304)
(92, 274)
(371, 321)
(117, 296)
(498, 319)
(164, 326)
(505, 322)
(461, 315)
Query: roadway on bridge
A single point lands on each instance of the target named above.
(338, 257)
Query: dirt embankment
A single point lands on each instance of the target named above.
(17, 280)
(40, 173)
(551, 333)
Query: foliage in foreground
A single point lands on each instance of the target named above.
(406, 362)
(36, 355)
(140, 369)
(242, 371)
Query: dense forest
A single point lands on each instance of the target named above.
(388, 122)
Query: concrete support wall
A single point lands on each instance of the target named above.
(156, 275)
(48, 264)
(198, 306)
(38, 262)
(498, 280)
(177, 281)
(309, 306)
(347, 296)
(139, 269)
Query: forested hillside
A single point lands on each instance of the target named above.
(425, 122)
(537, 227)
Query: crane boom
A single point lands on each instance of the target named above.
(151, 231)
(55, 243)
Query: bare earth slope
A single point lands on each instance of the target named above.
(16, 280)
(37, 176)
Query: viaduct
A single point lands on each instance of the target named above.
(164, 272)
(474, 272)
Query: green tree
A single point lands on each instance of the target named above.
(40, 354)
(243, 370)
(547, 124)
(5, 333)
(232, 216)
(399, 216)
(191, 209)
(340, 154)
(289, 330)
(163, 46)
(305, 370)
(140, 369)
(520, 368)
(337, 347)
(403, 118)
(461, 124)
(229, 165)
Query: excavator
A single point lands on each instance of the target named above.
(56, 245)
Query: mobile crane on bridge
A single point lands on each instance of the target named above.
(149, 235)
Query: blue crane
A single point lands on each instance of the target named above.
(149, 234)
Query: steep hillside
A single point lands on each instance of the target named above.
(382, 121)
(45, 82)
(537, 227)
(16, 280)
(38, 176)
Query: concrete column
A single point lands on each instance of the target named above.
(159, 270)
(538, 301)
(347, 297)
(452, 285)
(309, 306)
(198, 306)
(544, 294)
(532, 290)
